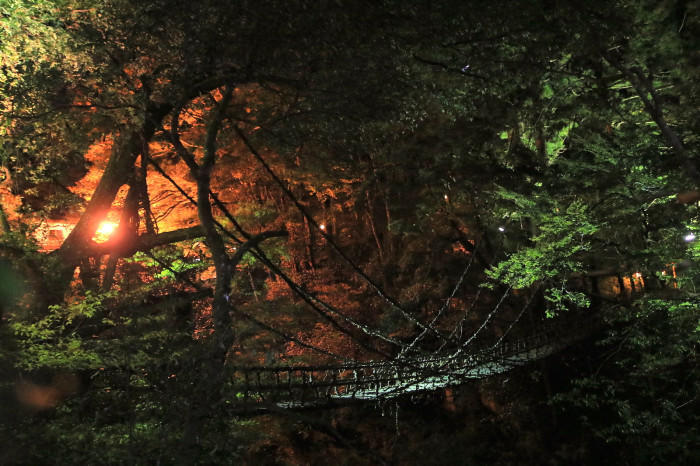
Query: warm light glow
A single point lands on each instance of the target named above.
(638, 275)
(322, 226)
(104, 231)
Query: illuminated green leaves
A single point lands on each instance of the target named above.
(556, 251)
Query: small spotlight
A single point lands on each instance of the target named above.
(501, 229)
(689, 237)
(322, 226)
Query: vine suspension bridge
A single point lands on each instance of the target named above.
(258, 388)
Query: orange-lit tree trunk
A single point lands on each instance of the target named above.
(128, 145)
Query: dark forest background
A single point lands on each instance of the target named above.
(324, 182)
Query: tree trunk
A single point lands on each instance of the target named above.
(3, 221)
(372, 226)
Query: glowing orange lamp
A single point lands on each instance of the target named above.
(104, 231)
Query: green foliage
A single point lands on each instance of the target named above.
(557, 143)
(42, 91)
(169, 264)
(54, 341)
(557, 248)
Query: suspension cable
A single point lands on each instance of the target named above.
(394, 304)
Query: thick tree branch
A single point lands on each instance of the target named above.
(653, 105)
(127, 146)
(126, 247)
